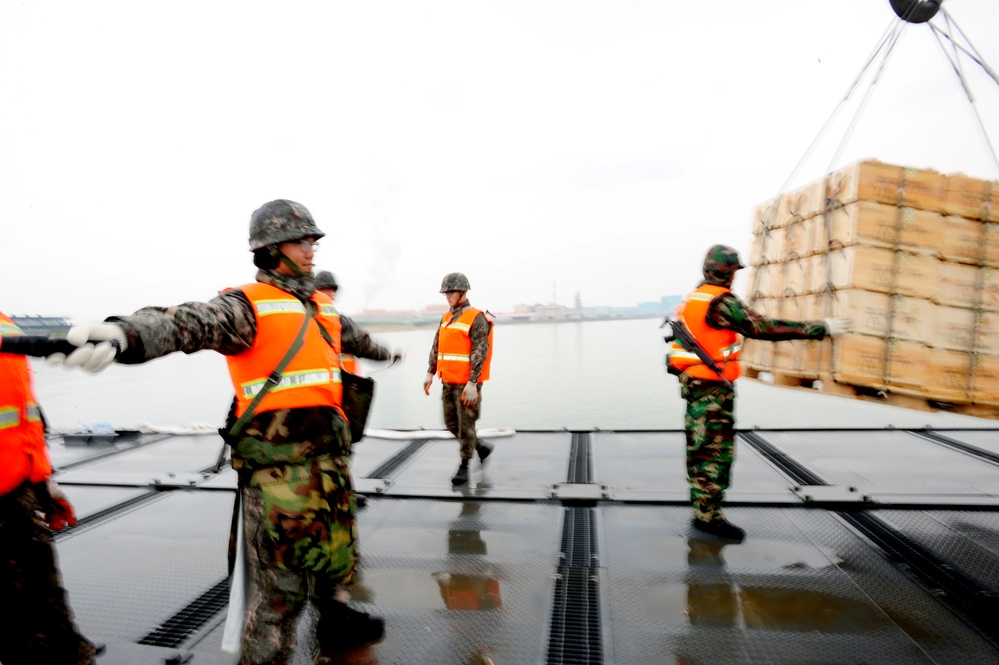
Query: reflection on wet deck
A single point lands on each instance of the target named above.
(521, 566)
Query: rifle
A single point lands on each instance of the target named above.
(42, 347)
(680, 334)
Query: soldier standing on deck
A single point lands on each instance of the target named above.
(461, 355)
(282, 341)
(717, 319)
(38, 626)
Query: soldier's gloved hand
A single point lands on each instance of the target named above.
(470, 395)
(427, 381)
(96, 350)
(61, 513)
(837, 325)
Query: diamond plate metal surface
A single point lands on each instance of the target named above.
(88, 501)
(138, 569)
(968, 541)
(527, 464)
(177, 454)
(984, 439)
(887, 462)
(800, 589)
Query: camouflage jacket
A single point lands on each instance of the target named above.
(479, 332)
(228, 325)
(727, 312)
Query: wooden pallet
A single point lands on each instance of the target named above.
(882, 395)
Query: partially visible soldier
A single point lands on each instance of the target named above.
(461, 355)
(38, 626)
(326, 283)
(292, 443)
(718, 320)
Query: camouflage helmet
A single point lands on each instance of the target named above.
(325, 280)
(721, 263)
(281, 221)
(454, 281)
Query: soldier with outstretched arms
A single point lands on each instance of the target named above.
(291, 440)
(717, 320)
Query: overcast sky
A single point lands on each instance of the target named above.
(541, 147)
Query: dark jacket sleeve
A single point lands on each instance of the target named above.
(357, 342)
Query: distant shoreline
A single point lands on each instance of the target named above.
(404, 326)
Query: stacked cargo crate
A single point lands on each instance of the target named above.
(911, 256)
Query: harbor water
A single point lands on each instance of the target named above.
(579, 375)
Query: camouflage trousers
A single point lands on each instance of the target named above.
(38, 628)
(710, 429)
(460, 419)
(292, 555)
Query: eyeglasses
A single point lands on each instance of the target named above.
(305, 244)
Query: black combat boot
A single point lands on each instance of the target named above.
(461, 475)
(340, 627)
(483, 450)
(721, 529)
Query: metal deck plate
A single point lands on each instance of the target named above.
(802, 588)
(464, 575)
(887, 462)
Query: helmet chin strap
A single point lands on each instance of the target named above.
(288, 262)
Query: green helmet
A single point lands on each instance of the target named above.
(325, 280)
(454, 281)
(720, 264)
(281, 221)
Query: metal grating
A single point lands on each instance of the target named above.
(575, 637)
(111, 510)
(957, 591)
(178, 628)
(580, 459)
(397, 460)
(959, 445)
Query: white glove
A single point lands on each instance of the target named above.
(427, 381)
(470, 395)
(837, 325)
(95, 350)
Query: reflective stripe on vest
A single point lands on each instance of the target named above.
(34, 413)
(289, 380)
(10, 416)
(312, 377)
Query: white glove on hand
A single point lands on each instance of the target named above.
(837, 325)
(470, 395)
(90, 356)
(427, 381)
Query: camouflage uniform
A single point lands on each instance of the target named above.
(709, 422)
(458, 417)
(280, 455)
(38, 628)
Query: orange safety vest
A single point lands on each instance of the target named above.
(722, 345)
(312, 378)
(348, 362)
(454, 348)
(23, 455)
